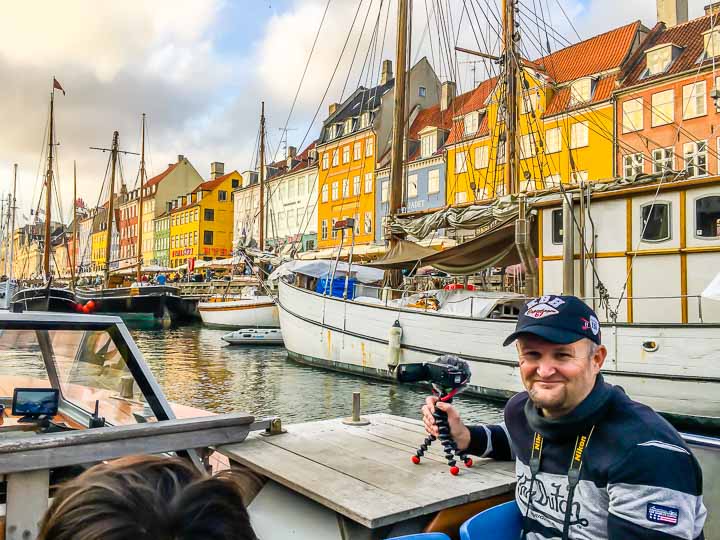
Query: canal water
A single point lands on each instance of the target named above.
(195, 367)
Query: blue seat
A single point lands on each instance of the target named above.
(422, 536)
(501, 522)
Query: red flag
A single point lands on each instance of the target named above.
(56, 84)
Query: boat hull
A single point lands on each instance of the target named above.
(240, 313)
(46, 299)
(133, 303)
(679, 378)
(254, 336)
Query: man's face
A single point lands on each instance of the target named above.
(558, 377)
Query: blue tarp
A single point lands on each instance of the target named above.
(338, 287)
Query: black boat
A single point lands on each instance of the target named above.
(151, 303)
(55, 299)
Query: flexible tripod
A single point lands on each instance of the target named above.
(448, 443)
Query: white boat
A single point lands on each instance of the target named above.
(251, 309)
(254, 336)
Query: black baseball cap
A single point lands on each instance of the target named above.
(558, 319)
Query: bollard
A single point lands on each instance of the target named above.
(356, 419)
(126, 386)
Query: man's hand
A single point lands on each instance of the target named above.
(459, 432)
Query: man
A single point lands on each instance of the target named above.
(590, 462)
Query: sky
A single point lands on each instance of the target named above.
(200, 69)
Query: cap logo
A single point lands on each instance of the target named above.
(542, 307)
(594, 325)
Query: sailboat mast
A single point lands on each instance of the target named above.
(510, 60)
(111, 206)
(12, 226)
(398, 133)
(140, 202)
(48, 189)
(262, 177)
(73, 260)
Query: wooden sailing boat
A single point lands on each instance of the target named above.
(252, 309)
(360, 335)
(47, 298)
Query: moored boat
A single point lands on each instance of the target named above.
(254, 336)
(251, 309)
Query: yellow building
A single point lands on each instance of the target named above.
(201, 222)
(565, 127)
(99, 243)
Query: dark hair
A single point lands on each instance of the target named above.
(144, 498)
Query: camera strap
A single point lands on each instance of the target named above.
(581, 444)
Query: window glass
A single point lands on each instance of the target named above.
(368, 223)
(433, 181)
(557, 226)
(412, 186)
(580, 91)
(346, 154)
(707, 216)
(579, 176)
(460, 162)
(368, 183)
(324, 229)
(356, 151)
(553, 142)
(471, 122)
(663, 160)
(460, 197)
(335, 157)
(694, 103)
(384, 191)
(324, 193)
(209, 214)
(663, 108)
(579, 135)
(325, 160)
(222, 195)
(422, 91)
(695, 154)
(208, 238)
(632, 165)
(482, 157)
(712, 43)
(632, 115)
(655, 222)
(428, 145)
(334, 191)
(658, 60)
(529, 102)
(356, 185)
(369, 144)
(345, 188)
(527, 146)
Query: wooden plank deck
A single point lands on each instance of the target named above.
(364, 472)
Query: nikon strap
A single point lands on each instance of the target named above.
(581, 444)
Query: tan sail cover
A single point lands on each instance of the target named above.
(494, 248)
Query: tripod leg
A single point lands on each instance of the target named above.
(423, 448)
(448, 443)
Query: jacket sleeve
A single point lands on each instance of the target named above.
(490, 441)
(655, 493)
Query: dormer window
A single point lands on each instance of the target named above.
(659, 58)
(348, 125)
(334, 130)
(428, 144)
(472, 122)
(712, 43)
(364, 120)
(581, 91)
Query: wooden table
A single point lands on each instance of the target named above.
(364, 473)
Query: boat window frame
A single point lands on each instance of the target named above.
(661, 203)
(553, 212)
(120, 337)
(695, 217)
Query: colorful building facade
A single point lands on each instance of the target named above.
(161, 240)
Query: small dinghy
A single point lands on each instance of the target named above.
(254, 336)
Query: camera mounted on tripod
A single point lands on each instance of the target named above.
(448, 375)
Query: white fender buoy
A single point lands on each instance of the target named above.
(394, 337)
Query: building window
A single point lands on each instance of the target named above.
(482, 157)
(357, 151)
(579, 135)
(433, 181)
(412, 186)
(368, 222)
(581, 91)
(364, 120)
(348, 126)
(384, 185)
(712, 43)
(552, 180)
(356, 185)
(335, 157)
(655, 222)
(334, 191)
(460, 162)
(325, 160)
(472, 122)
(553, 141)
(333, 231)
(422, 91)
(301, 187)
(291, 189)
(460, 197)
(527, 146)
(369, 144)
(579, 176)
(428, 145)
(663, 159)
(658, 60)
(345, 188)
(694, 102)
(208, 238)
(368, 183)
(557, 226)
(663, 108)
(195, 238)
(695, 154)
(707, 217)
(323, 229)
(632, 165)
(501, 151)
(235, 183)
(529, 102)
(346, 154)
(209, 214)
(632, 115)
(356, 226)
(222, 196)
(324, 192)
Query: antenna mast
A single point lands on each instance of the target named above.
(73, 262)
(140, 202)
(48, 189)
(510, 61)
(262, 177)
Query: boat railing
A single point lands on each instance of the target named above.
(387, 294)
(26, 462)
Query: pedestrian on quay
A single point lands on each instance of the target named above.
(161, 279)
(148, 498)
(590, 462)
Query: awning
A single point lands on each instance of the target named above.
(493, 248)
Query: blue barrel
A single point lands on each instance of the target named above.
(337, 287)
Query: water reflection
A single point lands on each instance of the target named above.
(196, 368)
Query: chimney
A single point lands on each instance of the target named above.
(448, 91)
(672, 12)
(387, 73)
(217, 169)
(332, 108)
(712, 9)
(291, 151)
(180, 158)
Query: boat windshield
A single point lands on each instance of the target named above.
(85, 365)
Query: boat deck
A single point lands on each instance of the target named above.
(365, 474)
